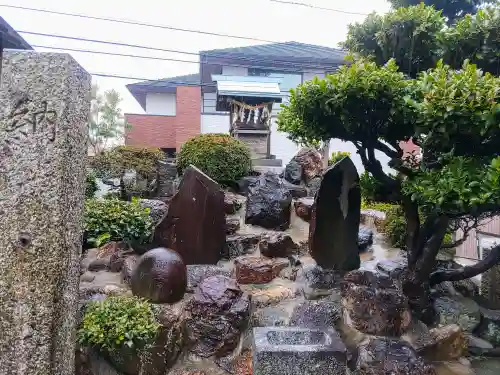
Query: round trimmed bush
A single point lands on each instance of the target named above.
(220, 156)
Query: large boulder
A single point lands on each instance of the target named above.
(269, 204)
(386, 356)
(316, 314)
(334, 226)
(317, 282)
(458, 310)
(374, 304)
(217, 314)
(159, 276)
(196, 273)
(195, 225)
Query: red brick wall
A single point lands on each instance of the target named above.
(168, 131)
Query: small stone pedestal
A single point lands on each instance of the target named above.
(298, 351)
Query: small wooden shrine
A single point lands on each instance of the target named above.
(249, 101)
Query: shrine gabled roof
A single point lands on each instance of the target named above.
(245, 86)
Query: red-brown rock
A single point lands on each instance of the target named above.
(258, 270)
(303, 208)
(217, 315)
(160, 276)
(195, 225)
(448, 343)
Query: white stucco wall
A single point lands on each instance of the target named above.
(214, 123)
(161, 104)
(234, 71)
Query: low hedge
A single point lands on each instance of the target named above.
(220, 156)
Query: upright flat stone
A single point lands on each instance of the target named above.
(195, 225)
(44, 108)
(334, 225)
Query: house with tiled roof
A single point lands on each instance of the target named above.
(178, 108)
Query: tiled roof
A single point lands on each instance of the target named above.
(286, 50)
(188, 79)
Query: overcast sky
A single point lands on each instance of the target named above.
(256, 18)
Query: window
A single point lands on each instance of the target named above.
(289, 80)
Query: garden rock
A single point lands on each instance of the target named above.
(160, 276)
(157, 209)
(478, 346)
(392, 267)
(303, 208)
(489, 329)
(297, 191)
(293, 172)
(217, 314)
(245, 184)
(384, 356)
(232, 203)
(196, 273)
(277, 245)
(240, 244)
(276, 316)
(268, 204)
(418, 335)
(197, 241)
(310, 162)
(163, 352)
(232, 225)
(448, 343)
(313, 186)
(317, 282)
(374, 304)
(336, 211)
(365, 238)
(258, 270)
(458, 310)
(316, 314)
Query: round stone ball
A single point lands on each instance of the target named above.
(160, 276)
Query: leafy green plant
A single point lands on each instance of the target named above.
(338, 156)
(90, 185)
(118, 322)
(220, 156)
(115, 220)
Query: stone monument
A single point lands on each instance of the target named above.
(335, 216)
(44, 108)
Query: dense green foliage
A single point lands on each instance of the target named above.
(337, 156)
(411, 36)
(451, 9)
(220, 156)
(118, 322)
(115, 220)
(115, 162)
(90, 185)
(416, 37)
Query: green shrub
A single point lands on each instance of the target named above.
(115, 162)
(90, 185)
(378, 206)
(220, 156)
(338, 156)
(118, 322)
(115, 220)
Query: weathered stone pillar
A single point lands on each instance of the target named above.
(44, 107)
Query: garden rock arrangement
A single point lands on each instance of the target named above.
(268, 273)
